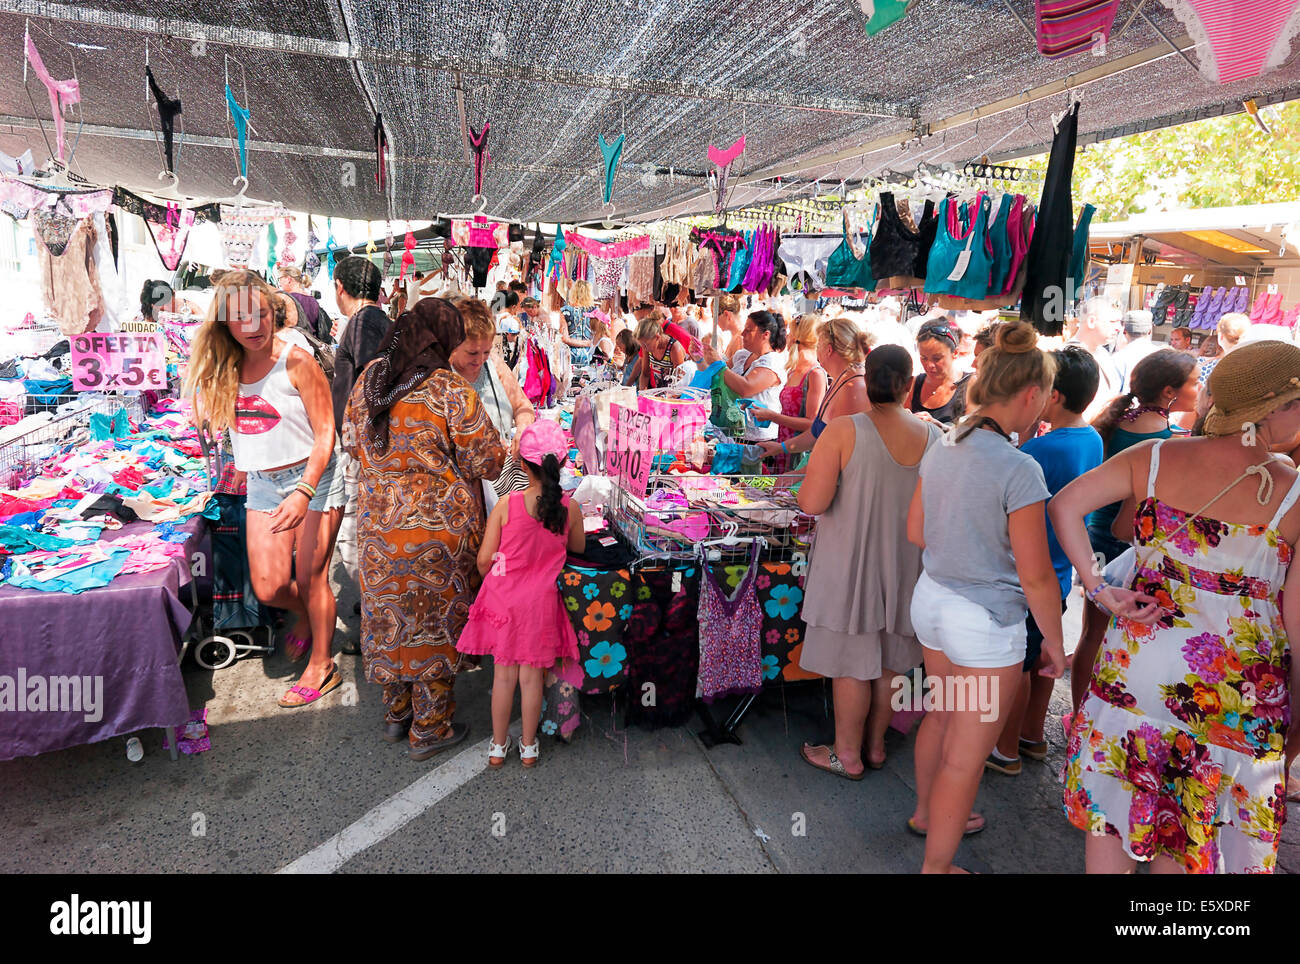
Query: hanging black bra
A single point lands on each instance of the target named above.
(926, 230)
(894, 247)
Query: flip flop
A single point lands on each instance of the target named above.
(834, 767)
(309, 695)
(970, 831)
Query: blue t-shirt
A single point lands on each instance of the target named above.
(1064, 454)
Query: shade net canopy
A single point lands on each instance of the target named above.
(817, 100)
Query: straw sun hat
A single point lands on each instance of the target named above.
(1250, 383)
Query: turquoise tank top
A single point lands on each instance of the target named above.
(847, 270)
(948, 248)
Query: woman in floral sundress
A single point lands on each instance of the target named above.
(1177, 754)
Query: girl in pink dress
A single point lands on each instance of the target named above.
(518, 618)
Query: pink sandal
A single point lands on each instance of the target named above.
(309, 695)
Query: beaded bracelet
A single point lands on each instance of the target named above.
(1096, 591)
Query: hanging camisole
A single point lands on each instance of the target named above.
(271, 426)
(731, 628)
(893, 245)
(949, 248)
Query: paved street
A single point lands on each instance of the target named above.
(317, 789)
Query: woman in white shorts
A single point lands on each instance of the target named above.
(978, 515)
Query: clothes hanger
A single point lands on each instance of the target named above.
(480, 210)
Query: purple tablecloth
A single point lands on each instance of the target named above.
(127, 633)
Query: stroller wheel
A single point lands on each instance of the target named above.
(215, 652)
(242, 639)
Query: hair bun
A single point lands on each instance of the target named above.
(1016, 338)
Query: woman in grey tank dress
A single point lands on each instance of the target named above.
(863, 569)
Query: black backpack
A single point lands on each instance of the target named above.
(323, 352)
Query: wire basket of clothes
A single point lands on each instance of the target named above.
(69, 420)
(683, 511)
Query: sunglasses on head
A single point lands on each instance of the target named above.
(944, 331)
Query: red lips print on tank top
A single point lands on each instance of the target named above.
(254, 415)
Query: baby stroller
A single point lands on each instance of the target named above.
(232, 623)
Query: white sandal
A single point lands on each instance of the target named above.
(528, 754)
(497, 753)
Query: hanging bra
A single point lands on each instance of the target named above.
(1000, 239)
(949, 249)
(845, 269)
(894, 245)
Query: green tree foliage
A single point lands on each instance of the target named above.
(1213, 163)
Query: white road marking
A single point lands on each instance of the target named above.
(393, 814)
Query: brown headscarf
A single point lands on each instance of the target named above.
(419, 343)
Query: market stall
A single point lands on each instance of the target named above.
(102, 507)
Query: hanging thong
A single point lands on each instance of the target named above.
(170, 234)
(167, 111)
(329, 246)
(63, 93)
(240, 117)
(722, 161)
(270, 249)
(611, 153)
(478, 144)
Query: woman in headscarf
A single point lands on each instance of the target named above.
(424, 443)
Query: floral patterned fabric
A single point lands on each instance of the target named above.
(419, 525)
(633, 628)
(1178, 746)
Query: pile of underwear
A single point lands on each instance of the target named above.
(30, 385)
(62, 529)
(691, 507)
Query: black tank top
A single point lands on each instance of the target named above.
(894, 247)
(948, 412)
(926, 230)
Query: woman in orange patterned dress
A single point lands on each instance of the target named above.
(424, 443)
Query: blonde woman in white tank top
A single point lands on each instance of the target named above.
(275, 400)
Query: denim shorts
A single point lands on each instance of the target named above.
(266, 490)
(963, 630)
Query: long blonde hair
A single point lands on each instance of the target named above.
(580, 295)
(212, 380)
(803, 334)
